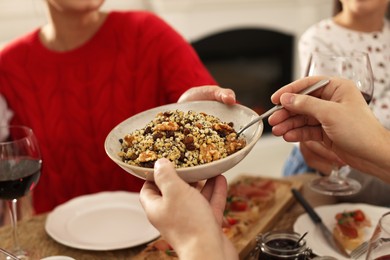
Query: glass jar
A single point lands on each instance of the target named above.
(280, 245)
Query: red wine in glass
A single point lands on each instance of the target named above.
(385, 257)
(20, 169)
(354, 66)
(367, 97)
(20, 175)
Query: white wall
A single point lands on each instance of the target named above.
(189, 17)
(18, 17)
(195, 19)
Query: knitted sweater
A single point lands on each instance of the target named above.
(73, 99)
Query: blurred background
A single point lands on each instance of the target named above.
(247, 45)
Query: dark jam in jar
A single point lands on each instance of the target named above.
(281, 245)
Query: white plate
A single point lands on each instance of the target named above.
(101, 221)
(58, 257)
(327, 213)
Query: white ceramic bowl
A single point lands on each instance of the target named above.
(238, 114)
(58, 257)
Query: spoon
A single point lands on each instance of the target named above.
(269, 112)
(299, 240)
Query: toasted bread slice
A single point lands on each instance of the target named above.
(350, 227)
(348, 243)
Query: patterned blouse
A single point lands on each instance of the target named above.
(328, 36)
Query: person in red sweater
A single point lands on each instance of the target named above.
(85, 71)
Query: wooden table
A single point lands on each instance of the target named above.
(33, 237)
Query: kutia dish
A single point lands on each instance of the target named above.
(186, 138)
(237, 114)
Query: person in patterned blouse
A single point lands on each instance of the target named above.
(360, 26)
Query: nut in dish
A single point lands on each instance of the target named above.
(185, 138)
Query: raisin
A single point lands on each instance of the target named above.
(190, 146)
(149, 164)
(188, 139)
(148, 130)
(182, 157)
(221, 133)
(170, 134)
(167, 114)
(186, 131)
(157, 135)
(133, 157)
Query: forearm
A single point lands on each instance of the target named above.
(377, 161)
(215, 247)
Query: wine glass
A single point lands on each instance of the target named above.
(355, 66)
(379, 244)
(20, 168)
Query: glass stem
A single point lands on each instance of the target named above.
(334, 174)
(13, 210)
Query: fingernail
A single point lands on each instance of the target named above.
(159, 164)
(287, 98)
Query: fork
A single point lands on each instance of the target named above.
(360, 250)
(363, 247)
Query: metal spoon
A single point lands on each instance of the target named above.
(269, 112)
(299, 240)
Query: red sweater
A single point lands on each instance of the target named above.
(73, 99)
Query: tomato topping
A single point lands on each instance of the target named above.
(359, 216)
(248, 191)
(356, 215)
(238, 205)
(339, 216)
(231, 221)
(348, 230)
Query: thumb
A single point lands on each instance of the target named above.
(225, 95)
(304, 104)
(165, 177)
(209, 92)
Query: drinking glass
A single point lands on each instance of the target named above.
(355, 66)
(379, 244)
(20, 168)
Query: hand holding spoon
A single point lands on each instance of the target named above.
(269, 112)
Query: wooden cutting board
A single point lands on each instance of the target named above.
(269, 216)
(267, 219)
